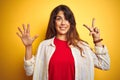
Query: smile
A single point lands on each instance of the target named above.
(62, 28)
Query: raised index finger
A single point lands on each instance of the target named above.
(93, 22)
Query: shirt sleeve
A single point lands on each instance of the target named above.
(29, 66)
(101, 58)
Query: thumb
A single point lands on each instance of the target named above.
(35, 37)
(91, 33)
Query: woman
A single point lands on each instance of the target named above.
(63, 55)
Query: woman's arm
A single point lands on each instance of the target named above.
(27, 41)
(101, 58)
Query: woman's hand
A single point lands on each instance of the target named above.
(94, 31)
(25, 35)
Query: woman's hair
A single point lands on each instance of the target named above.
(72, 34)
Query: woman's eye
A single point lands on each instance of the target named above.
(58, 18)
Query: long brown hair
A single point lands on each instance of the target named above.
(72, 35)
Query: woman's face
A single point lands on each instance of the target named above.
(61, 24)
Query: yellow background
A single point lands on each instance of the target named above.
(13, 13)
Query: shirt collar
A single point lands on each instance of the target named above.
(51, 43)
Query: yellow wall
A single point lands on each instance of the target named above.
(13, 13)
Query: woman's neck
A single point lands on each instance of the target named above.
(61, 37)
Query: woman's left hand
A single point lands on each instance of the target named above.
(94, 31)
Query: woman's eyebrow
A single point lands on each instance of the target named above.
(58, 16)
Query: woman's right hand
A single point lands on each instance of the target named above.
(25, 35)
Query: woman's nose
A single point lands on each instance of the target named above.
(63, 21)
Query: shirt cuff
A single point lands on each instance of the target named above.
(29, 62)
(101, 50)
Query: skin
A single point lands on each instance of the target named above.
(95, 32)
(27, 40)
(62, 27)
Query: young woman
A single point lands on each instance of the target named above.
(63, 55)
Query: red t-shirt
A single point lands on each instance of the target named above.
(61, 65)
